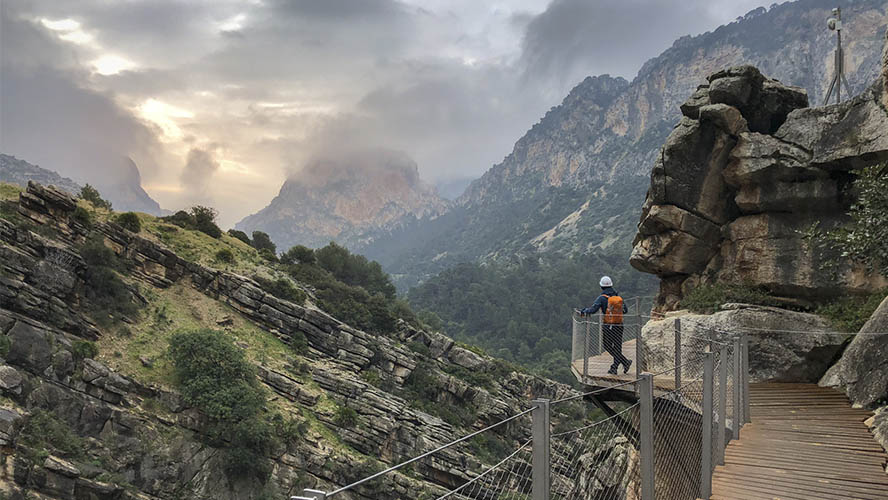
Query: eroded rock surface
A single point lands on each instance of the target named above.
(747, 170)
(776, 352)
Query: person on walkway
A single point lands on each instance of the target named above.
(613, 309)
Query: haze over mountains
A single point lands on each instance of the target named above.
(574, 182)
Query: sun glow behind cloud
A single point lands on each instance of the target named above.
(110, 64)
(165, 116)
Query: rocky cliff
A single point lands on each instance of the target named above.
(119, 428)
(573, 183)
(20, 172)
(742, 176)
(347, 198)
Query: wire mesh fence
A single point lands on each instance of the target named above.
(663, 440)
(597, 461)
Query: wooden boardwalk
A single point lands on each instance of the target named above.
(598, 366)
(805, 442)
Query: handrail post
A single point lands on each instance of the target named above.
(639, 348)
(706, 444)
(600, 332)
(722, 403)
(747, 417)
(678, 356)
(646, 430)
(541, 460)
(586, 353)
(736, 418)
(310, 495)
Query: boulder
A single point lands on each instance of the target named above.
(862, 371)
(10, 380)
(778, 351)
(29, 347)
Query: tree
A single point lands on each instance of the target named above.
(92, 195)
(205, 220)
(299, 254)
(240, 235)
(129, 221)
(262, 241)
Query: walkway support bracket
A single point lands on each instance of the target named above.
(646, 429)
(310, 495)
(706, 445)
(541, 459)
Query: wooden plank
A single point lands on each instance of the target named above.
(804, 442)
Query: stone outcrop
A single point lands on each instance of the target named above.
(776, 352)
(747, 170)
(41, 321)
(862, 371)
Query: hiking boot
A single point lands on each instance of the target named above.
(612, 371)
(627, 365)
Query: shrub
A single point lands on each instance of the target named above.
(281, 288)
(45, 432)
(345, 417)
(84, 349)
(82, 216)
(865, 238)
(262, 241)
(707, 299)
(92, 195)
(268, 255)
(225, 255)
(198, 218)
(129, 221)
(240, 235)
(298, 254)
(215, 377)
(5, 344)
(106, 293)
(849, 314)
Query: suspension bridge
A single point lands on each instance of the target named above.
(683, 423)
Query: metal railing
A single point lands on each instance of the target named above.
(664, 445)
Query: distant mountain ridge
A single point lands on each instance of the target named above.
(574, 183)
(347, 197)
(19, 172)
(125, 194)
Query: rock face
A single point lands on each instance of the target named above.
(346, 198)
(775, 354)
(862, 371)
(742, 176)
(144, 433)
(573, 183)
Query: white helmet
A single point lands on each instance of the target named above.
(605, 281)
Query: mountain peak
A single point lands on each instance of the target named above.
(346, 196)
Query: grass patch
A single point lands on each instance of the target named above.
(849, 314)
(707, 299)
(195, 246)
(181, 307)
(10, 192)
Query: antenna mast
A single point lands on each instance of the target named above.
(835, 24)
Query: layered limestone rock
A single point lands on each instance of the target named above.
(776, 353)
(147, 437)
(747, 170)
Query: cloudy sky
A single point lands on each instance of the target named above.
(217, 101)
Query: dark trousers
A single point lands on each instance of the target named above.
(613, 344)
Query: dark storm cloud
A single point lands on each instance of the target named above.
(576, 38)
(49, 118)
